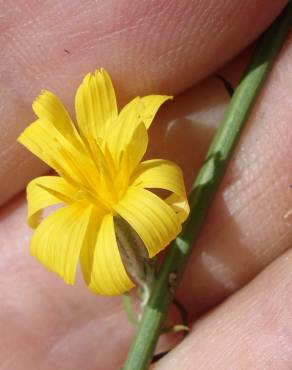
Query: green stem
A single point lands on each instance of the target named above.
(203, 191)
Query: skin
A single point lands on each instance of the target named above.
(238, 283)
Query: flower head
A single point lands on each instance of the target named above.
(100, 176)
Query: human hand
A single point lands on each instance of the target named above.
(48, 325)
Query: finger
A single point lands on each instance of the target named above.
(162, 48)
(251, 330)
(249, 223)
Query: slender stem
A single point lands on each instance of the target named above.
(203, 191)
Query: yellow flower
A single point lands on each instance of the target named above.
(100, 176)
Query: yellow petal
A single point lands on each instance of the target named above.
(130, 113)
(152, 218)
(179, 205)
(149, 107)
(124, 131)
(46, 191)
(46, 142)
(136, 147)
(162, 174)
(142, 109)
(125, 128)
(126, 151)
(50, 110)
(39, 138)
(95, 104)
(53, 137)
(102, 266)
(87, 252)
(58, 240)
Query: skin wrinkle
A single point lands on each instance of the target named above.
(252, 186)
(64, 347)
(224, 274)
(121, 27)
(277, 245)
(49, 17)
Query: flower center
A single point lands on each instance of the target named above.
(111, 180)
